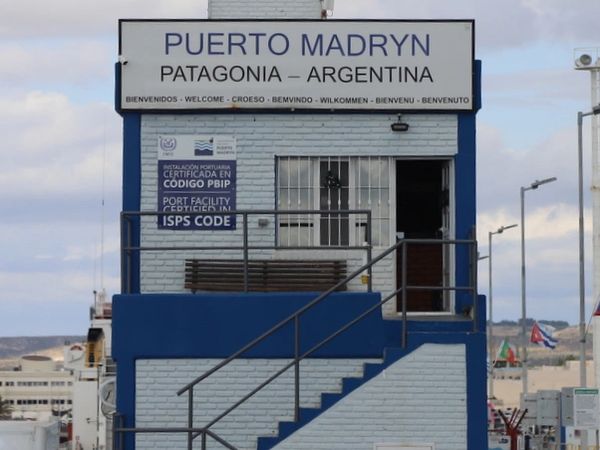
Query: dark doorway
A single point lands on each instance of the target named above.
(421, 202)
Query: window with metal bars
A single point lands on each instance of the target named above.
(333, 184)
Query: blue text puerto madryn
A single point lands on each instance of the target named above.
(279, 44)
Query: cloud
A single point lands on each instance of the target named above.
(534, 88)
(81, 63)
(507, 24)
(556, 221)
(58, 148)
(502, 170)
(53, 303)
(30, 19)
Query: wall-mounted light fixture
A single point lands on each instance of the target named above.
(399, 125)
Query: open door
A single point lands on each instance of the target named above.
(422, 205)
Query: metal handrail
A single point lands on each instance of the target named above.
(203, 431)
(296, 317)
(194, 432)
(127, 232)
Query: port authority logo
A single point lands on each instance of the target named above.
(167, 144)
(203, 147)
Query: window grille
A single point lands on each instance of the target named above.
(333, 184)
(372, 184)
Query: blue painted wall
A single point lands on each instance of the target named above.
(215, 326)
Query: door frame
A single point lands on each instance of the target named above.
(449, 219)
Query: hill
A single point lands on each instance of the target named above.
(14, 347)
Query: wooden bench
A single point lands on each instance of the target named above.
(263, 275)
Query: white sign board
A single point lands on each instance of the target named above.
(586, 407)
(327, 65)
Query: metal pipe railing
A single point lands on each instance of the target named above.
(127, 248)
(403, 290)
(296, 317)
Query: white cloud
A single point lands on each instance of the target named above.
(556, 221)
(52, 303)
(71, 18)
(511, 23)
(501, 171)
(57, 147)
(80, 63)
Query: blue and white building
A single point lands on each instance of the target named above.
(270, 154)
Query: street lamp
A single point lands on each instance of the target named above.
(490, 320)
(536, 184)
(582, 369)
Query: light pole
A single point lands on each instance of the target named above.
(582, 369)
(490, 316)
(536, 184)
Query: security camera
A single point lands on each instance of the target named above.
(326, 8)
(123, 60)
(584, 60)
(587, 58)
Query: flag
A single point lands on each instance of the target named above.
(507, 352)
(542, 335)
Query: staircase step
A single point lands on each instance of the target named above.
(349, 384)
(267, 442)
(372, 370)
(286, 428)
(391, 355)
(328, 399)
(308, 414)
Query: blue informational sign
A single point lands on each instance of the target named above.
(199, 185)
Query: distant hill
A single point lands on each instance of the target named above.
(14, 347)
(558, 324)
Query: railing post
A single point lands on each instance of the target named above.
(121, 434)
(245, 218)
(114, 432)
(123, 255)
(128, 277)
(190, 442)
(204, 440)
(404, 316)
(474, 281)
(369, 252)
(297, 368)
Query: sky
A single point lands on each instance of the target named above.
(61, 168)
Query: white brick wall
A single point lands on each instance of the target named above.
(419, 399)
(260, 138)
(264, 9)
(157, 404)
